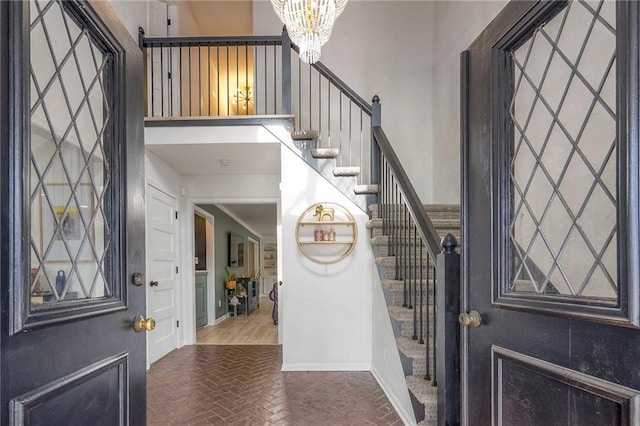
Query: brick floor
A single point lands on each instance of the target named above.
(243, 385)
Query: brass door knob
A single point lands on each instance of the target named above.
(472, 319)
(142, 324)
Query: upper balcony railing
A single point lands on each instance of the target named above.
(256, 76)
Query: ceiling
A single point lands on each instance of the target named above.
(261, 218)
(204, 159)
(244, 158)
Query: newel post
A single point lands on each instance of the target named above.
(286, 72)
(448, 332)
(376, 121)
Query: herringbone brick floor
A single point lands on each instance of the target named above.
(243, 385)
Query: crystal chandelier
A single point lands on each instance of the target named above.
(309, 23)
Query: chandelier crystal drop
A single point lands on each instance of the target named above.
(309, 23)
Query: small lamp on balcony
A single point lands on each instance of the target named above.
(309, 23)
(244, 99)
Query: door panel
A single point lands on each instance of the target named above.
(162, 255)
(551, 196)
(72, 171)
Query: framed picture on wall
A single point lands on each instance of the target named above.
(236, 250)
(63, 236)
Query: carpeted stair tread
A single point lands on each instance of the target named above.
(365, 189)
(346, 171)
(325, 152)
(304, 135)
(410, 347)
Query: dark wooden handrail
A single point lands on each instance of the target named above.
(211, 41)
(425, 227)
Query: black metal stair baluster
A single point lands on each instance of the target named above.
(170, 83)
(422, 293)
(339, 162)
(410, 260)
(329, 113)
(350, 131)
(236, 95)
(310, 120)
(320, 106)
(162, 80)
(199, 81)
(433, 382)
(189, 85)
(415, 283)
(360, 177)
(180, 79)
(246, 78)
(209, 78)
(218, 80)
(299, 120)
(427, 328)
(227, 97)
(275, 81)
(403, 223)
(152, 109)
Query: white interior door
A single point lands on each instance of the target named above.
(162, 258)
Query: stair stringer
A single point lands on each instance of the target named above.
(386, 365)
(324, 166)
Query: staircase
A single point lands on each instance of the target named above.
(419, 375)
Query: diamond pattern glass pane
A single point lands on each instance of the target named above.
(563, 228)
(70, 175)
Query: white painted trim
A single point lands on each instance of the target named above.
(211, 265)
(407, 418)
(327, 367)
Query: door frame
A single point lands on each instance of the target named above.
(211, 265)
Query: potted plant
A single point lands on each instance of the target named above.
(237, 291)
(230, 282)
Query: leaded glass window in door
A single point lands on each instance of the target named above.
(563, 222)
(70, 172)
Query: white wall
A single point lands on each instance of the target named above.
(326, 308)
(384, 48)
(457, 24)
(183, 23)
(132, 13)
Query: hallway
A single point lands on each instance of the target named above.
(256, 329)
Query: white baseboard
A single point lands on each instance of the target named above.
(327, 367)
(220, 319)
(409, 419)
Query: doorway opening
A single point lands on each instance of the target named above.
(244, 314)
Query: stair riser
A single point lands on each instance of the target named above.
(404, 327)
(440, 223)
(431, 209)
(384, 250)
(415, 366)
(396, 297)
(379, 232)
